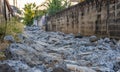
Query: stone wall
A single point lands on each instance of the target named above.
(99, 17)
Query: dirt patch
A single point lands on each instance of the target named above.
(3, 46)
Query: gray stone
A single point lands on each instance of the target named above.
(9, 38)
(93, 38)
(19, 66)
(59, 52)
(102, 69)
(53, 40)
(107, 40)
(100, 41)
(21, 37)
(114, 41)
(42, 43)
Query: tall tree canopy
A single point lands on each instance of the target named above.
(54, 6)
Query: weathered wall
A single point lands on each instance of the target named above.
(100, 17)
(2, 19)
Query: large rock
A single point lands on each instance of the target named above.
(6, 68)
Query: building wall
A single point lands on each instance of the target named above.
(91, 17)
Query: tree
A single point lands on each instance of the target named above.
(54, 6)
(30, 12)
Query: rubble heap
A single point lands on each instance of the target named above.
(40, 51)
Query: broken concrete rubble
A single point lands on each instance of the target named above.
(41, 51)
(6, 68)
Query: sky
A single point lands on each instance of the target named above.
(21, 3)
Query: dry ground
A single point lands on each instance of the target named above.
(3, 46)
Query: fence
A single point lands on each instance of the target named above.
(91, 17)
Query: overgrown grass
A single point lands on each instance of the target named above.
(12, 27)
(2, 27)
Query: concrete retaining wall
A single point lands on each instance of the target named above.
(99, 17)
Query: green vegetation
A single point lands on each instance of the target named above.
(30, 12)
(54, 6)
(12, 27)
(40, 13)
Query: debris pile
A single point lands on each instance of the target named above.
(40, 51)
